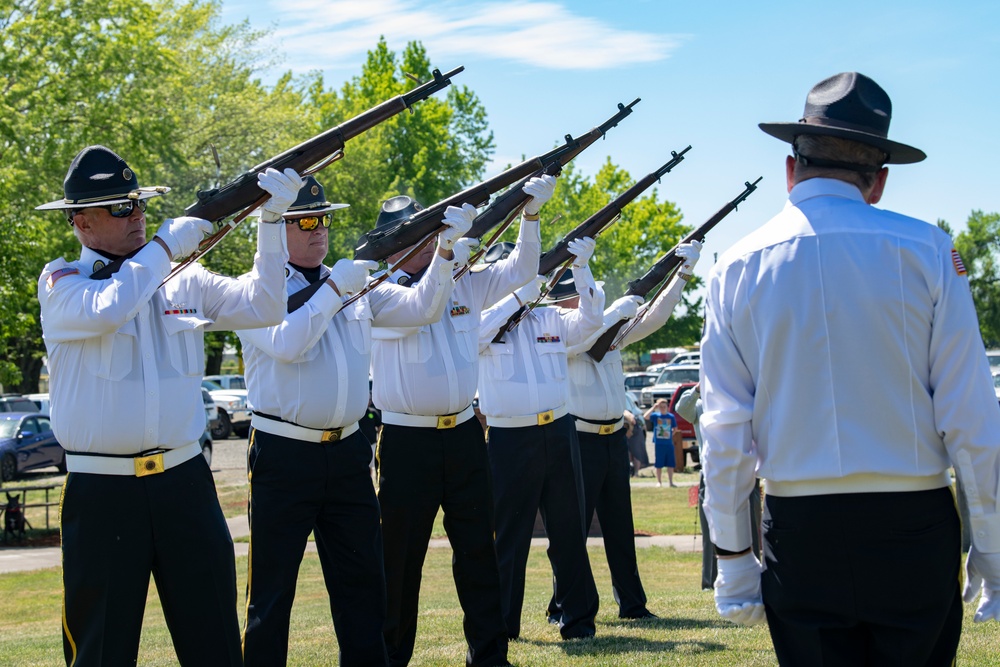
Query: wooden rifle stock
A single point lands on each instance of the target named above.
(663, 269)
(217, 204)
(379, 244)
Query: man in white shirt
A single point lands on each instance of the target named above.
(842, 361)
(597, 403)
(307, 379)
(533, 450)
(431, 451)
(126, 358)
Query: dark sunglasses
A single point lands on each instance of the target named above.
(310, 222)
(124, 209)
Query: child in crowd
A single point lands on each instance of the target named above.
(663, 424)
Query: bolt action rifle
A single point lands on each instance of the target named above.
(559, 255)
(659, 274)
(243, 194)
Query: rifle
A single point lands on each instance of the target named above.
(560, 256)
(378, 244)
(659, 274)
(505, 207)
(242, 193)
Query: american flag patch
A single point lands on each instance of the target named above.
(56, 275)
(956, 259)
(181, 311)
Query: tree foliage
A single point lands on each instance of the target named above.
(979, 246)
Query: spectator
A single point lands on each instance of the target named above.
(663, 424)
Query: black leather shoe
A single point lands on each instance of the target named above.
(555, 619)
(645, 615)
(582, 633)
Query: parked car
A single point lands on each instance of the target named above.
(234, 414)
(996, 384)
(693, 357)
(17, 403)
(685, 427)
(668, 381)
(656, 368)
(993, 356)
(634, 382)
(41, 402)
(27, 443)
(228, 381)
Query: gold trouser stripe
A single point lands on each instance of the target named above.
(246, 608)
(65, 621)
(378, 459)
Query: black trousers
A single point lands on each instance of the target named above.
(422, 470)
(538, 468)
(863, 579)
(297, 488)
(116, 531)
(605, 463)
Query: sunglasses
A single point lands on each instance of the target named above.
(310, 222)
(124, 209)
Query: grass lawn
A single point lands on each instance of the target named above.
(689, 631)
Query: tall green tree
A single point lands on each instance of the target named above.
(979, 246)
(156, 81)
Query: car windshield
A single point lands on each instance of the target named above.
(994, 358)
(211, 386)
(236, 382)
(8, 428)
(639, 381)
(678, 376)
(996, 380)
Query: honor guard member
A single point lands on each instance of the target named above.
(307, 379)
(533, 449)
(842, 360)
(597, 402)
(432, 452)
(126, 359)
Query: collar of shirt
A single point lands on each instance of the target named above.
(823, 187)
(91, 260)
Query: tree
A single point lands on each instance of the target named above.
(156, 81)
(979, 246)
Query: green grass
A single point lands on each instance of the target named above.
(689, 631)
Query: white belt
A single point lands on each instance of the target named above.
(540, 419)
(599, 429)
(139, 466)
(428, 421)
(857, 483)
(296, 432)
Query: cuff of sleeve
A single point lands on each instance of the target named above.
(327, 300)
(986, 532)
(530, 230)
(440, 268)
(153, 257)
(732, 531)
(271, 239)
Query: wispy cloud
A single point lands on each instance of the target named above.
(318, 34)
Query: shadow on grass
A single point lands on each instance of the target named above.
(611, 644)
(667, 623)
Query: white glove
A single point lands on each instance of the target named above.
(463, 250)
(283, 188)
(182, 235)
(627, 307)
(528, 293)
(350, 275)
(691, 252)
(983, 571)
(540, 188)
(459, 221)
(583, 249)
(737, 590)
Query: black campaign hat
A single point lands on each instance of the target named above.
(397, 209)
(498, 251)
(850, 106)
(311, 200)
(98, 176)
(564, 289)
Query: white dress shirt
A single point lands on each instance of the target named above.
(842, 354)
(126, 359)
(433, 369)
(526, 373)
(312, 369)
(597, 388)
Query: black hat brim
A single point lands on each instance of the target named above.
(898, 153)
(141, 193)
(305, 212)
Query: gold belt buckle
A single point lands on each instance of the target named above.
(545, 417)
(148, 465)
(447, 421)
(606, 429)
(332, 435)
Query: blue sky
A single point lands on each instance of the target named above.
(707, 73)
